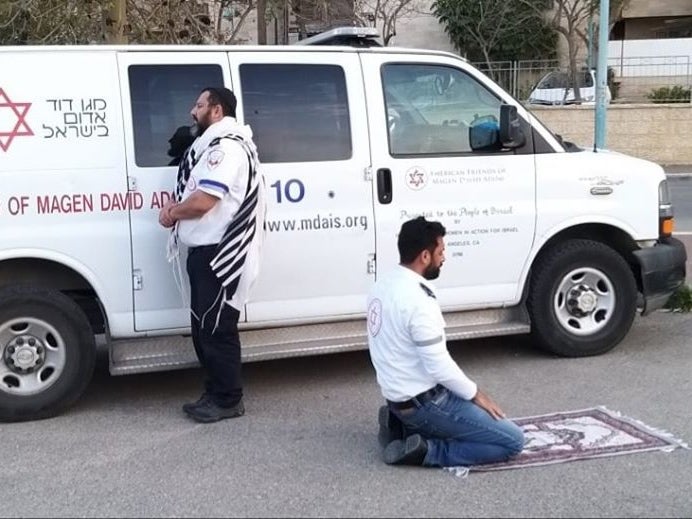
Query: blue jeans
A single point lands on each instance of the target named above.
(459, 432)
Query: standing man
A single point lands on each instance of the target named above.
(218, 213)
(435, 414)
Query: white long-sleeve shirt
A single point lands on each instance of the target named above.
(406, 338)
(221, 171)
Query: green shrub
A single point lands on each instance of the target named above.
(676, 94)
(681, 300)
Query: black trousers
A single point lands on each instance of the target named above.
(217, 344)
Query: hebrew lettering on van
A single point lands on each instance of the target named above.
(82, 118)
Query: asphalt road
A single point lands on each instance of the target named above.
(307, 445)
(680, 187)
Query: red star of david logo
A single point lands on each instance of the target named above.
(416, 178)
(20, 128)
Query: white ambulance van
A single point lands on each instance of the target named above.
(543, 237)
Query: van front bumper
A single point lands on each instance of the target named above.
(662, 272)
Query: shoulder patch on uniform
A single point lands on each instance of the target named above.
(429, 292)
(374, 317)
(214, 158)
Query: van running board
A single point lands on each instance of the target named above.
(176, 352)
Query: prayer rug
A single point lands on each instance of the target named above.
(577, 435)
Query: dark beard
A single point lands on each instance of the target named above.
(431, 273)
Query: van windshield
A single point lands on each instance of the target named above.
(430, 108)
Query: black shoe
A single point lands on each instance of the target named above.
(208, 412)
(191, 405)
(411, 451)
(391, 427)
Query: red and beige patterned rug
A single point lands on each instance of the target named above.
(578, 435)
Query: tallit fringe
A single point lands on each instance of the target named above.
(173, 256)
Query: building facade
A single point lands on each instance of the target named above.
(646, 19)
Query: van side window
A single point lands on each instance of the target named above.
(162, 96)
(298, 112)
(430, 108)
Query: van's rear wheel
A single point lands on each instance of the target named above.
(582, 299)
(47, 352)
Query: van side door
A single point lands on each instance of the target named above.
(307, 111)
(158, 91)
(422, 108)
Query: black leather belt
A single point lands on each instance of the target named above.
(419, 400)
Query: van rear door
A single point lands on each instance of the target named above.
(158, 91)
(307, 111)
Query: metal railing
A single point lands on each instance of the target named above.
(518, 77)
(653, 79)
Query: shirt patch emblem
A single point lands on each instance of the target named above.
(429, 292)
(214, 158)
(374, 317)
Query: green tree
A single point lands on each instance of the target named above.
(62, 22)
(42, 22)
(495, 30)
(569, 18)
(383, 14)
(169, 21)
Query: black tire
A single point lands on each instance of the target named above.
(565, 282)
(47, 352)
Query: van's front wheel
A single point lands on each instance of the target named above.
(582, 299)
(47, 352)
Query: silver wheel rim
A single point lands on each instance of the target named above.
(584, 302)
(33, 356)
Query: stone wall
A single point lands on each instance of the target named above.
(656, 132)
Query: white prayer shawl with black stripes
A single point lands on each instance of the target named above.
(237, 259)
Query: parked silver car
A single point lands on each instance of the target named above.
(556, 88)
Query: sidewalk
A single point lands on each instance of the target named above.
(677, 170)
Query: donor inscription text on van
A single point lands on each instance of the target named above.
(467, 176)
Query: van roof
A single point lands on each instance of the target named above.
(223, 48)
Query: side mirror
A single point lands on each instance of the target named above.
(484, 136)
(511, 134)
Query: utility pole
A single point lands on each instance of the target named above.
(115, 31)
(602, 75)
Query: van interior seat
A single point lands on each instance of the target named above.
(430, 138)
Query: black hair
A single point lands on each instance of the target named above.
(178, 143)
(416, 236)
(224, 98)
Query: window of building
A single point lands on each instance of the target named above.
(162, 97)
(430, 108)
(297, 112)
